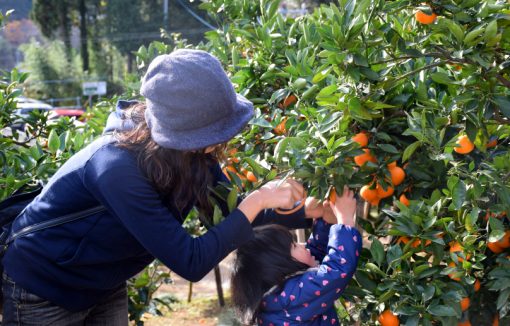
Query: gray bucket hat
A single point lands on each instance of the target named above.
(191, 103)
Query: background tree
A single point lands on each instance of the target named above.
(54, 20)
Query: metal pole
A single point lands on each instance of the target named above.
(165, 14)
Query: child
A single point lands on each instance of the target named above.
(277, 281)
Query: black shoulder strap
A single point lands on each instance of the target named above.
(54, 222)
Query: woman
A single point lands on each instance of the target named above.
(155, 163)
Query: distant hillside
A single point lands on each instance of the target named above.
(22, 8)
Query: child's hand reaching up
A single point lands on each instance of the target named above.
(345, 208)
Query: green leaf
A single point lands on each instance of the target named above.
(471, 37)
(503, 104)
(293, 143)
(503, 298)
(360, 60)
(232, 200)
(495, 224)
(53, 141)
(388, 148)
(459, 194)
(261, 122)
(387, 295)
(321, 75)
(491, 31)
(326, 91)
(217, 215)
(496, 235)
(455, 29)
(442, 311)
(257, 168)
(364, 280)
(408, 152)
(442, 78)
(377, 251)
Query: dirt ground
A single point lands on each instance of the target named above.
(204, 308)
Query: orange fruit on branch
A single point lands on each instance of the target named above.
(464, 303)
(361, 159)
(403, 199)
(424, 18)
(493, 142)
(387, 318)
(280, 128)
(288, 101)
(368, 194)
(505, 241)
(392, 165)
(452, 275)
(494, 247)
(495, 321)
(361, 138)
(251, 176)
(383, 193)
(464, 145)
(332, 196)
(397, 175)
(405, 240)
(477, 285)
(464, 323)
(456, 247)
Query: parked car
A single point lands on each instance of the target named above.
(26, 105)
(73, 112)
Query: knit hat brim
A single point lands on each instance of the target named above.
(221, 131)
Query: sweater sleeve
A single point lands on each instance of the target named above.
(315, 291)
(317, 243)
(115, 180)
(295, 220)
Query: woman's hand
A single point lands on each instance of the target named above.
(313, 208)
(274, 194)
(345, 208)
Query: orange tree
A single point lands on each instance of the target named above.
(423, 87)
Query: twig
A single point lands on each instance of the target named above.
(503, 80)
(412, 72)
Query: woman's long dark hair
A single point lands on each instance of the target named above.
(180, 177)
(260, 264)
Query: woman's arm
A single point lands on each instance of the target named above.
(113, 177)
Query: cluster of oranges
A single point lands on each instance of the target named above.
(457, 249)
(375, 191)
(243, 174)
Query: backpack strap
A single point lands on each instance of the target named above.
(54, 222)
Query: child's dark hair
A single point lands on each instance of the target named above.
(260, 264)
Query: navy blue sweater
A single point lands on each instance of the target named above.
(76, 264)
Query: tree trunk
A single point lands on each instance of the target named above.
(190, 291)
(219, 286)
(130, 60)
(66, 29)
(83, 35)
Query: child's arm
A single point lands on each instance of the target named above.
(317, 243)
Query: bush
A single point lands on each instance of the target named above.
(370, 67)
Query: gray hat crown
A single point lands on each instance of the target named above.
(191, 103)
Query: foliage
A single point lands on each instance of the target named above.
(46, 65)
(369, 66)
